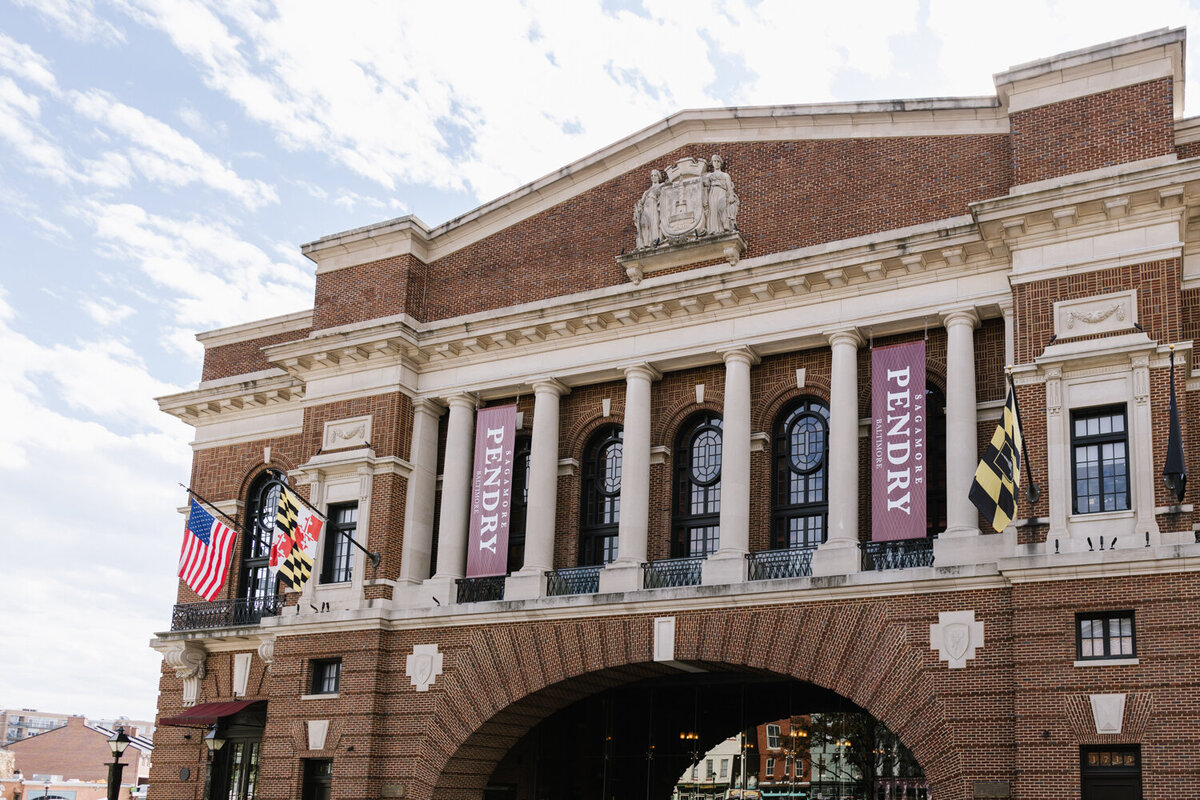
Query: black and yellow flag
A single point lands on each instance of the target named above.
(994, 491)
(297, 529)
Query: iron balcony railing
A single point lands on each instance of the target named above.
(224, 613)
(765, 565)
(573, 580)
(672, 572)
(479, 590)
(899, 554)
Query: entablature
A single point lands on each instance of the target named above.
(243, 395)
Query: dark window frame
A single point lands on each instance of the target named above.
(337, 557)
(785, 470)
(1104, 617)
(600, 501)
(321, 671)
(317, 777)
(1100, 439)
(254, 576)
(519, 505)
(688, 487)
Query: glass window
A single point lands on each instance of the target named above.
(773, 737)
(326, 675)
(801, 455)
(601, 501)
(1108, 634)
(697, 529)
(1099, 456)
(708, 764)
(724, 767)
(770, 770)
(338, 558)
(261, 506)
(520, 504)
(318, 778)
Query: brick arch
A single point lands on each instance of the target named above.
(666, 428)
(582, 430)
(557, 663)
(782, 393)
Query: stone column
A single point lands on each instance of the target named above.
(625, 574)
(421, 494)
(839, 555)
(728, 564)
(530, 581)
(456, 498)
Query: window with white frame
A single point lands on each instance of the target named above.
(773, 737)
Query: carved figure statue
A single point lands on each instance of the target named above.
(722, 201)
(645, 213)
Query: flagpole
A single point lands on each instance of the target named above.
(373, 557)
(1032, 492)
(208, 503)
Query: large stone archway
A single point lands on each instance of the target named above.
(873, 652)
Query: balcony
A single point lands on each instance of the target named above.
(765, 565)
(224, 613)
(899, 554)
(671, 572)
(480, 590)
(574, 580)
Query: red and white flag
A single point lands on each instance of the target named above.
(204, 559)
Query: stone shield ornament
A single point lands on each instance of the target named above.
(424, 665)
(956, 637)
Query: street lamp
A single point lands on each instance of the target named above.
(117, 745)
(214, 743)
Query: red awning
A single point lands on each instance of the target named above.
(206, 714)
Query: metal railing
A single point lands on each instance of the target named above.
(900, 554)
(224, 613)
(793, 562)
(479, 590)
(573, 580)
(672, 572)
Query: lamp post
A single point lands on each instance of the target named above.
(213, 742)
(117, 745)
(20, 779)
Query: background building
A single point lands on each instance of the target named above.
(686, 324)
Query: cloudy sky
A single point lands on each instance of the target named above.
(161, 161)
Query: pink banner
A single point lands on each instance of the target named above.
(898, 442)
(491, 491)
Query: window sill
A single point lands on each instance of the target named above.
(326, 696)
(334, 584)
(1126, 513)
(1107, 662)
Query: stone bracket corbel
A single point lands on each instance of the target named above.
(187, 659)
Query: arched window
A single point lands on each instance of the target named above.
(600, 505)
(696, 529)
(800, 460)
(261, 506)
(935, 461)
(520, 505)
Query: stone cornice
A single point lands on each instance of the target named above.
(259, 329)
(247, 396)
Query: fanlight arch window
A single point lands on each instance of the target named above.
(696, 521)
(261, 505)
(600, 504)
(800, 472)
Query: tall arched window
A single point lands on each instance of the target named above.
(520, 505)
(800, 499)
(600, 505)
(255, 579)
(696, 528)
(935, 461)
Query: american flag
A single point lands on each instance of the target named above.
(204, 559)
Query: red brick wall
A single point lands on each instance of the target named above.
(1113, 127)
(74, 752)
(371, 290)
(240, 358)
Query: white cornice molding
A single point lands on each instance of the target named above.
(887, 119)
(249, 396)
(297, 321)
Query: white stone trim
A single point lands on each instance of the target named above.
(241, 673)
(348, 432)
(330, 696)
(423, 666)
(1107, 662)
(1108, 712)
(318, 730)
(272, 326)
(1065, 87)
(1101, 313)
(956, 637)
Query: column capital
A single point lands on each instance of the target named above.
(546, 385)
(961, 316)
(640, 369)
(462, 399)
(429, 405)
(845, 336)
(740, 352)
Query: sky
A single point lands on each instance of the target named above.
(161, 162)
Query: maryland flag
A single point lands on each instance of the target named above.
(297, 529)
(994, 491)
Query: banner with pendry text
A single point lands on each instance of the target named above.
(491, 491)
(898, 468)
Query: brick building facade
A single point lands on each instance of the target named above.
(696, 508)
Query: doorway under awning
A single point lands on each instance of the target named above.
(206, 715)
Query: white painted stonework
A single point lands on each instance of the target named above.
(664, 638)
(423, 666)
(318, 729)
(1108, 711)
(241, 673)
(1097, 314)
(187, 659)
(956, 637)
(349, 432)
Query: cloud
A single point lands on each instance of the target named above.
(106, 311)
(162, 154)
(77, 19)
(23, 61)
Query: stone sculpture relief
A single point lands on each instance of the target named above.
(690, 203)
